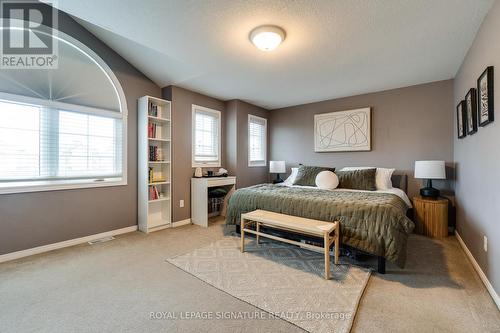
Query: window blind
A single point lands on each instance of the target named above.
(257, 146)
(206, 141)
(39, 144)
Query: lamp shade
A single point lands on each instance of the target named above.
(277, 167)
(430, 169)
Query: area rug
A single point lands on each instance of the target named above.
(283, 280)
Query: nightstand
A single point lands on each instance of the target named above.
(431, 216)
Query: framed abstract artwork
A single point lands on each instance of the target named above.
(471, 111)
(461, 124)
(343, 131)
(485, 97)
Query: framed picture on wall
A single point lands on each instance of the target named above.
(485, 97)
(461, 125)
(342, 131)
(471, 111)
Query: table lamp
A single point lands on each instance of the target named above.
(277, 167)
(430, 170)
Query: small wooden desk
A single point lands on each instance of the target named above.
(199, 196)
(294, 224)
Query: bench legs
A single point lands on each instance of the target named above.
(326, 244)
(242, 232)
(337, 245)
(327, 240)
(257, 228)
(242, 226)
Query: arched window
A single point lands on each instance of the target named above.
(62, 128)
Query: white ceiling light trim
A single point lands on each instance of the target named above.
(267, 37)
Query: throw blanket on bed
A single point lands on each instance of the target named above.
(372, 222)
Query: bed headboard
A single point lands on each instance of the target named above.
(400, 181)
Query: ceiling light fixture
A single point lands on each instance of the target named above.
(267, 37)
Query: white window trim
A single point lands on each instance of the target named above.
(194, 163)
(65, 184)
(55, 185)
(257, 163)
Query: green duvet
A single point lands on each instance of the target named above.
(372, 222)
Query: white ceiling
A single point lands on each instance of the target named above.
(334, 48)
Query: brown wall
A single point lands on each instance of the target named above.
(33, 219)
(182, 100)
(477, 158)
(408, 124)
(234, 143)
(231, 137)
(237, 143)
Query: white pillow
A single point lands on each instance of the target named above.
(289, 181)
(382, 176)
(327, 180)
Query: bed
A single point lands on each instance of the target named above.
(374, 222)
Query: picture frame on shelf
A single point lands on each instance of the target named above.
(485, 97)
(461, 124)
(471, 111)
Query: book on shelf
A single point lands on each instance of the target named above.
(150, 175)
(154, 194)
(152, 109)
(153, 130)
(155, 154)
(155, 176)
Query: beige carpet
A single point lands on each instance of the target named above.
(284, 280)
(113, 287)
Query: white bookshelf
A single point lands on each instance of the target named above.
(155, 211)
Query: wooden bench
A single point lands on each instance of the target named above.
(297, 225)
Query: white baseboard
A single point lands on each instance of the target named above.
(76, 241)
(168, 225)
(67, 243)
(479, 271)
(182, 222)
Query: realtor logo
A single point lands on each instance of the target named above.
(27, 38)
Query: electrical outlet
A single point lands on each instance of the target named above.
(485, 243)
(181, 203)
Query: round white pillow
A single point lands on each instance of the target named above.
(327, 180)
